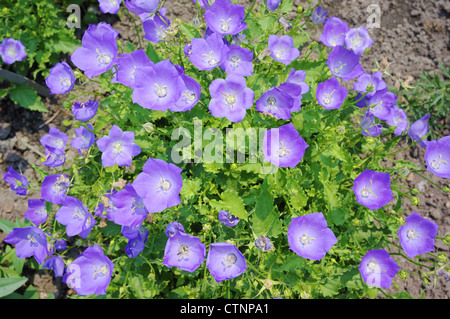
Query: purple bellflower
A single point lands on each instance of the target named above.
(55, 138)
(61, 79)
(118, 147)
(106, 209)
(184, 251)
(263, 243)
(190, 94)
(19, 183)
(367, 126)
(295, 92)
(276, 102)
(228, 219)
(54, 157)
(84, 139)
(398, 118)
(206, 54)
(419, 129)
(370, 84)
(298, 77)
(225, 261)
(130, 63)
(75, 216)
(54, 188)
(156, 27)
(381, 103)
(98, 52)
(437, 157)
(174, 227)
(12, 50)
(230, 98)
(283, 146)
(330, 94)
(282, 48)
(358, 40)
(109, 6)
(378, 268)
(130, 207)
(29, 241)
(56, 263)
(143, 8)
(225, 18)
(90, 273)
(373, 189)
(344, 63)
(36, 212)
(84, 111)
(160, 86)
(417, 235)
(159, 185)
(309, 236)
(319, 15)
(334, 32)
(137, 237)
(238, 61)
(272, 5)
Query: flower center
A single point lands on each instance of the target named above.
(103, 58)
(165, 184)
(304, 239)
(225, 27)
(189, 96)
(12, 52)
(79, 214)
(366, 192)
(162, 90)
(65, 82)
(117, 147)
(279, 53)
(183, 252)
(235, 61)
(32, 240)
(230, 260)
(327, 98)
(211, 60)
(282, 152)
(338, 69)
(100, 271)
(271, 103)
(411, 234)
(436, 164)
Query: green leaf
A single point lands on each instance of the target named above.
(18, 264)
(9, 285)
(190, 187)
(265, 221)
(6, 225)
(152, 54)
(233, 203)
(26, 97)
(189, 31)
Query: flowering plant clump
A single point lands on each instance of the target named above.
(231, 156)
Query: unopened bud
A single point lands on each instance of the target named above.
(442, 258)
(446, 190)
(415, 201)
(415, 191)
(402, 274)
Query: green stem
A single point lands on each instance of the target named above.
(429, 181)
(136, 28)
(412, 261)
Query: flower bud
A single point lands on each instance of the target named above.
(446, 239)
(402, 274)
(415, 201)
(148, 127)
(442, 258)
(446, 190)
(415, 191)
(268, 284)
(299, 9)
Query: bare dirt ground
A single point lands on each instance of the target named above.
(413, 35)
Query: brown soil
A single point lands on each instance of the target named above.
(414, 35)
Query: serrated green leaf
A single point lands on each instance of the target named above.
(234, 204)
(26, 97)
